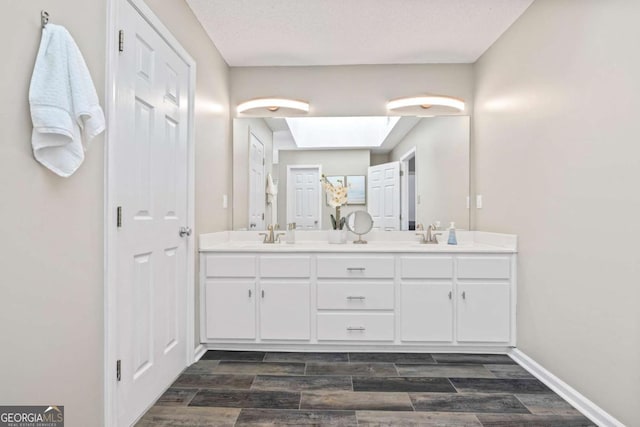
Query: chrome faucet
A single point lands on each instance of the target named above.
(271, 236)
(428, 237)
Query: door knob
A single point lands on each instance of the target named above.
(185, 231)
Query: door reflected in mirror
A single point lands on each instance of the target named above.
(402, 171)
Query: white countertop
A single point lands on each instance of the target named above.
(386, 242)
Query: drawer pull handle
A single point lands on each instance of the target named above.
(464, 295)
(449, 294)
(355, 328)
(356, 297)
(249, 293)
(355, 269)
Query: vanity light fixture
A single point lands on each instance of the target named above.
(273, 105)
(426, 102)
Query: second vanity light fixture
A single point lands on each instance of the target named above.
(273, 105)
(427, 102)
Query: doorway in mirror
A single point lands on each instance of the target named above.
(303, 200)
(256, 184)
(384, 196)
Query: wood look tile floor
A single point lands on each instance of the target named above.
(252, 388)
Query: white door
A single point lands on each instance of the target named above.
(427, 312)
(303, 197)
(284, 311)
(257, 184)
(384, 196)
(231, 309)
(150, 169)
(484, 312)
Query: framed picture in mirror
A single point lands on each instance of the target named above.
(357, 190)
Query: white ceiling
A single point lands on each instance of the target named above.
(344, 32)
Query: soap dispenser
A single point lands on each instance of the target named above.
(452, 234)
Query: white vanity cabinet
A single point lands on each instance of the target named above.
(230, 296)
(426, 287)
(284, 310)
(285, 291)
(241, 289)
(484, 298)
(231, 309)
(277, 298)
(356, 298)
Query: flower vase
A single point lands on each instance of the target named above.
(337, 236)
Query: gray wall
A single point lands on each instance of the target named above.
(51, 306)
(379, 158)
(333, 162)
(51, 293)
(558, 163)
(442, 168)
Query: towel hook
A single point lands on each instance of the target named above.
(44, 18)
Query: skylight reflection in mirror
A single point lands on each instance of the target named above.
(340, 132)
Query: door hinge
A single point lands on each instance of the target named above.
(263, 216)
(121, 41)
(401, 173)
(118, 370)
(119, 217)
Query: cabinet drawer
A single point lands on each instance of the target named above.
(231, 265)
(355, 327)
(285, 266)
(426, 267)
(355, 296)
(355, 267)
(484, 267)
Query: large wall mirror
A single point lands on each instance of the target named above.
(402, 170)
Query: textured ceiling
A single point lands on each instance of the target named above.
(345, 32)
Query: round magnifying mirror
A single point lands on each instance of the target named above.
(359, 222)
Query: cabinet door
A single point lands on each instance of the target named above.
(231, 309)
(483, 312)
(427, 312)
(284, 311)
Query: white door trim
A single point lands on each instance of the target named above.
(587, 407)
(291, 168)
(404, 188)
(110, 308)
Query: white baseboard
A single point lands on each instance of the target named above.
(199, 352)
(564, 390)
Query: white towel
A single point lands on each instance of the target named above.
(272, 189)
(64, 103)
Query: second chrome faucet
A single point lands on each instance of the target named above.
(428, 236)
(272, 236)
